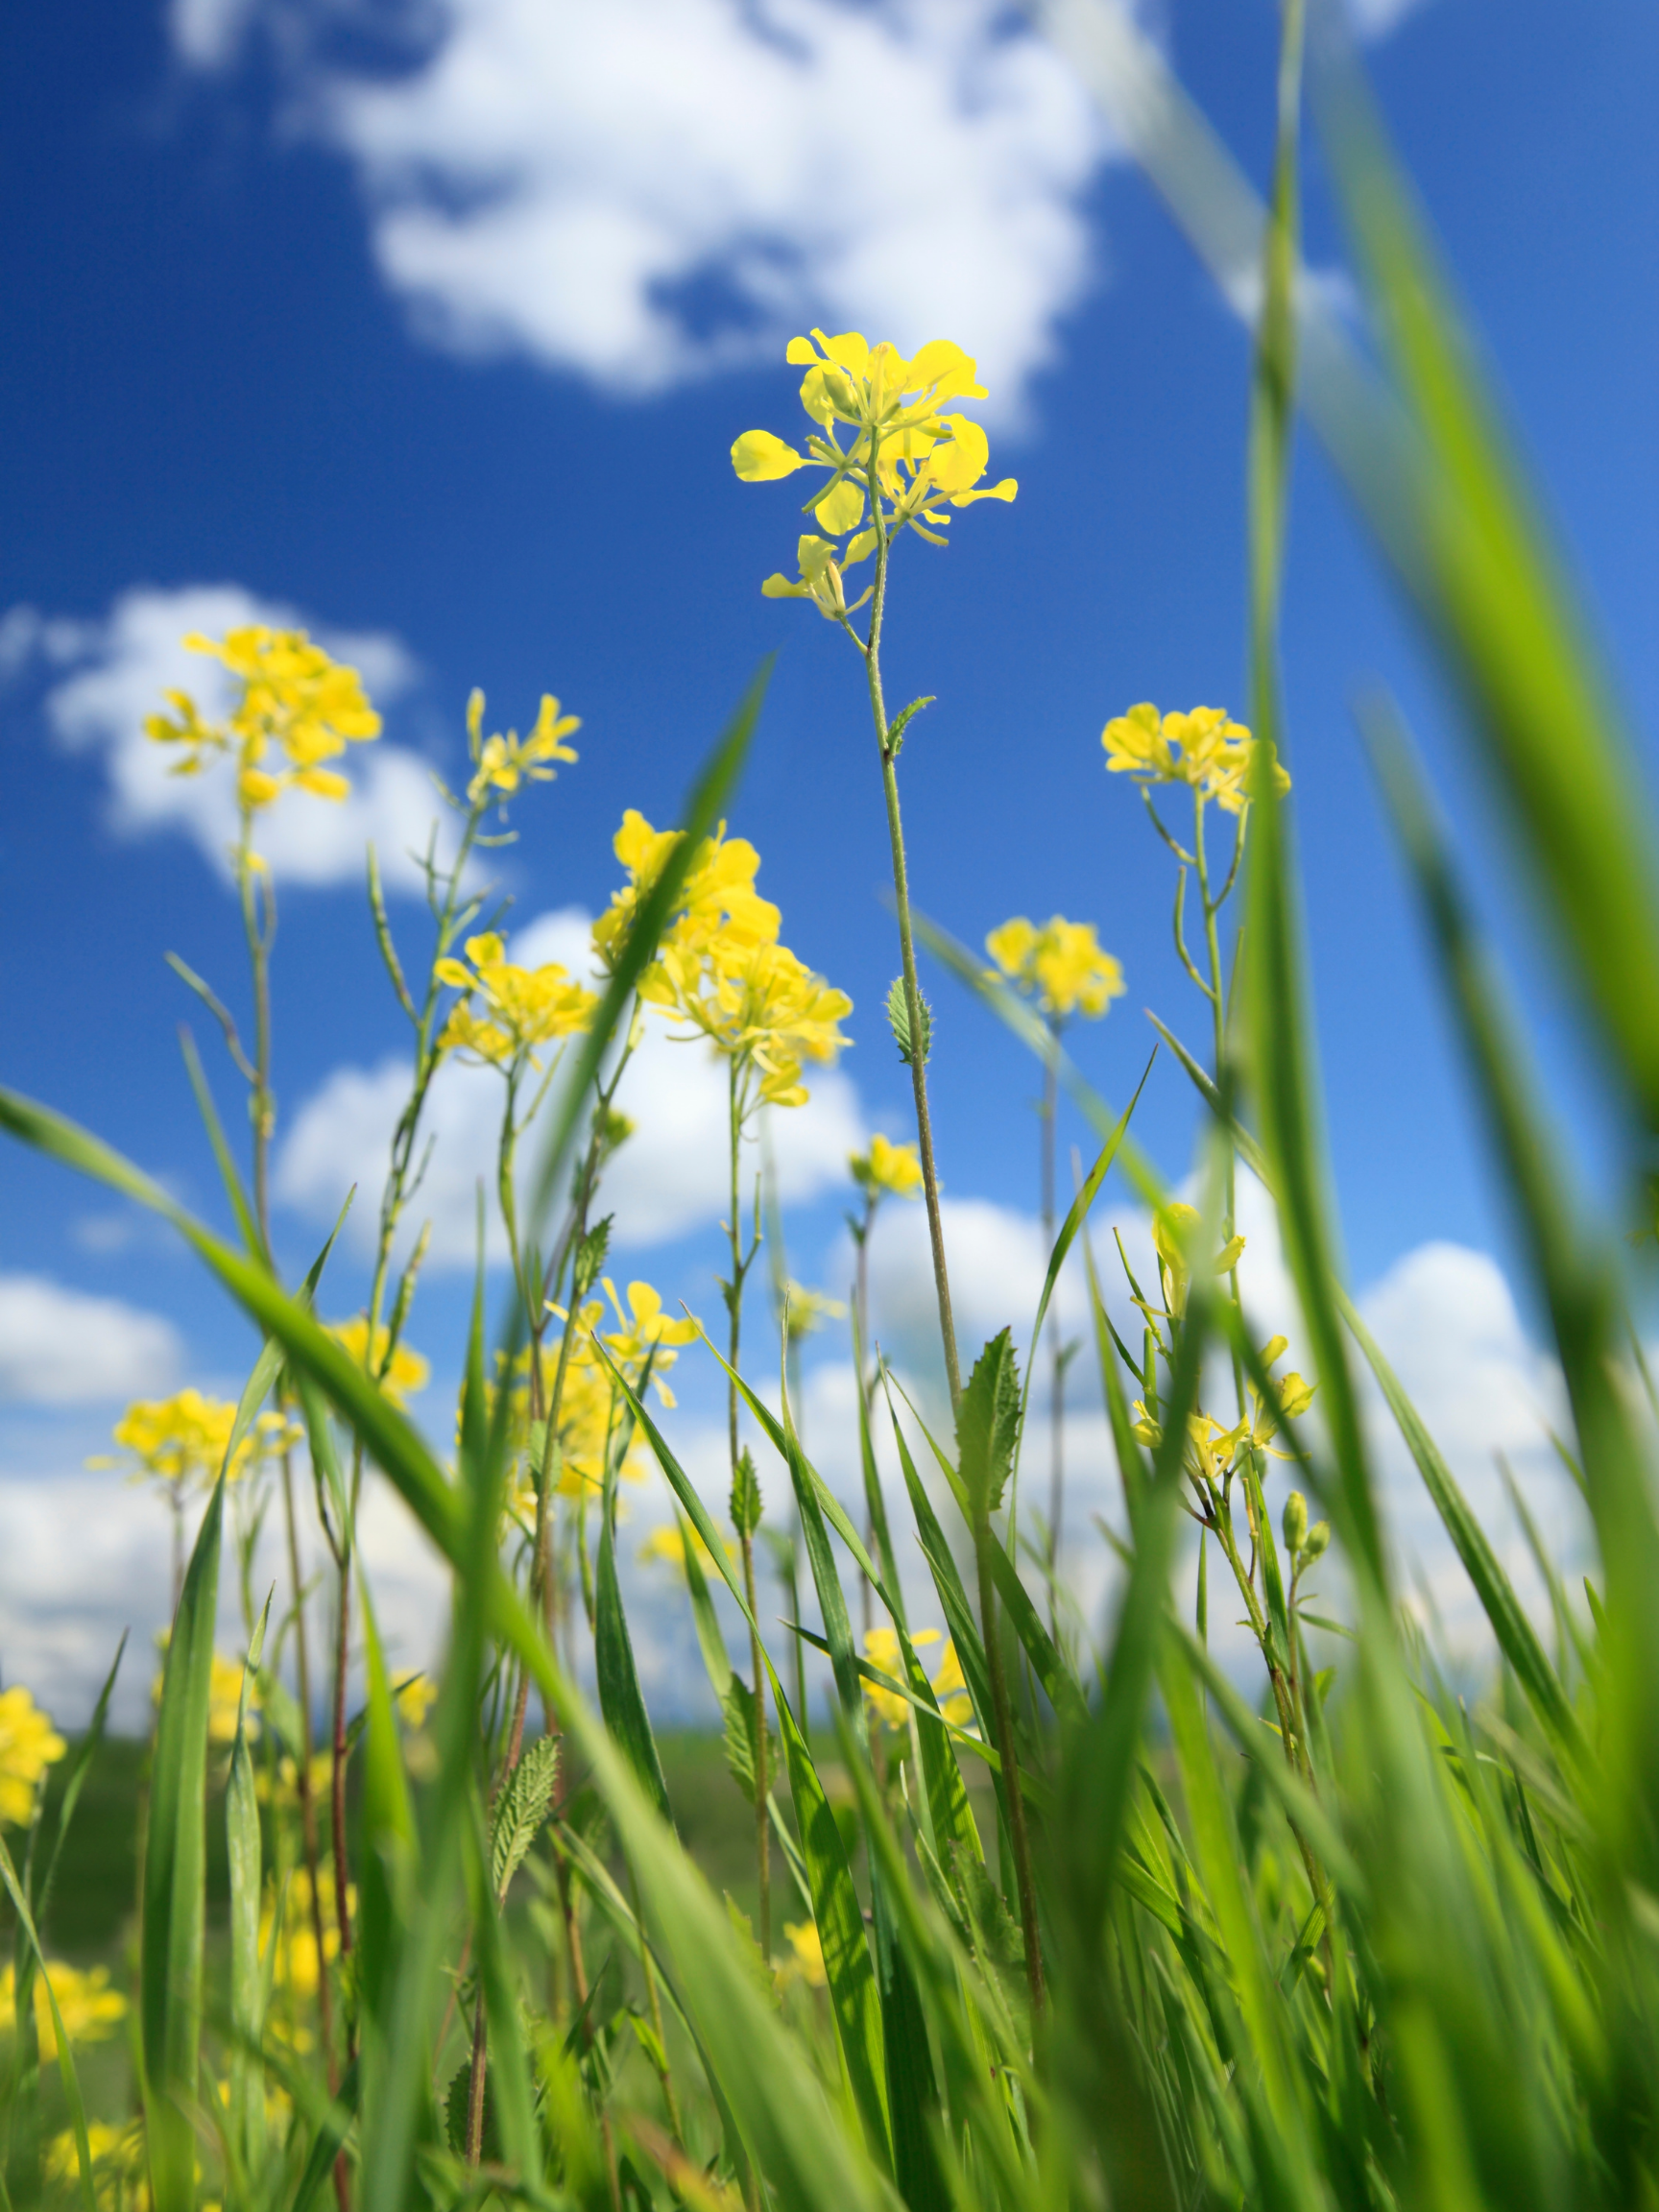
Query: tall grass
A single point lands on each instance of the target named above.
(1361, 1943)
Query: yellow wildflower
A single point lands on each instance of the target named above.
(758, 1004)
(416, 1699)
(807, 1960)
(294, 697)
(667, 1544)
(906, 459)
(91, 2009)
(183, 1439)
(887, 1169)
(882, 1649)
(644, 1333)
(120, 2164)
(1060, 963)
(1203, 749)
(1172, 1228)
(503, 764)
(805, 1312)
(406, 1375)
(717, 899)
(508, 1011)
(28, 1745)
(295, 1967)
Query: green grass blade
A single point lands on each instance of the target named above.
(620, 1698)
(389, 1879)
(222, 1153)
(174, 1881)
(246, 1982)
(716, 1659)
(71, 2080)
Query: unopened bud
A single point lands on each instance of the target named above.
(1319, 1537)
(1293, 1523)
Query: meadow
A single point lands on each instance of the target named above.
(1041, 1910)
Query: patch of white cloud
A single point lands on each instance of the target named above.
(106, 676)
(62, 1348)
(669, 1178)
(655, 190)
(1375, 19)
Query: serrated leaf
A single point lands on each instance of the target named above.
(739, 1707)
(902, 722)
(746, 1502)
(521, 1810)
(591, 1253)
(988, 1425)
(898, 1021)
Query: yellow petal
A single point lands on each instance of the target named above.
(1005, 490)
(799, 351)
(323, 782)
(840, 508)
(779, 587)
(758, 457)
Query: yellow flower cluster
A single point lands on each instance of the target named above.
(1213, 1448)
(120, 2164)
(184, 1439)
(805, 1311)
(295, 700)
(719, 968)
(408, 1372)
(1202, 749)
(667, 1544)
(502, 763)
(1060, 964)
(224, 1695)
(508, 1011)
(28, 1745)
(904, 449)
(90, 2007)
(296, 1968)
(887, 1169)
(949, 1688)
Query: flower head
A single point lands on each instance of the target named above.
(882, 1649)
(805, 1311)
(182, 1440)
(668, 1543)
(297, 704)
(507, 1011)
(28, 1745)
(416, 1699)
(1202, 749)
(806, 1962)
(297, 1965)
(90, 2009)
(407, 1372)
(1059, 963)
(717, 898)
(500, 765)
(904, 460)
(1171, 1231)
(887, 1169)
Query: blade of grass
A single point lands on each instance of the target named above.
(246, 1877)
(620, 1698)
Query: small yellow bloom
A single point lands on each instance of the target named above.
(905, 460)
(28, 1745)
(1060, 964)
(408, 1372)
(507, 1011)
(807, 1960)
(503, 764)
(295, 699)
(667, 1544)
(887, 1169)
(91, 2009)
(805, 1311)
(1170, 1230)
(416, 1699)
(297, 1965)
(1203, 749)
(182, 1440)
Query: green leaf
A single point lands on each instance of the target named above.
(620, 1698)
(987, 1426)
(902, 721)
(246, 1877)
(739, 1707)
(590, 1260)
(745, 1505)
(175, 1880)
(898, 1021)
(521, 1810)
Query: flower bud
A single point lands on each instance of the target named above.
(1319, 1537)
(1293, 1523)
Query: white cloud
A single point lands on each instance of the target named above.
(657, 189)
(1377, 19)
(668, 1178)
(60, 1347)
(115, 673)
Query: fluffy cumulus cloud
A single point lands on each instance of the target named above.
(668, 1178)
(61, 1348)
(104, 677)
(653, 190)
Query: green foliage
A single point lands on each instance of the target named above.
(898, 1021)
(987, 1423)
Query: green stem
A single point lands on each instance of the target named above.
(872, 651)
(740, 1263)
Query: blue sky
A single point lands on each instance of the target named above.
(268, 334)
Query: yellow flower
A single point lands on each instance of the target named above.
(415, 1699)
(807, 1961)
(294, 697)
(120, 2164)
(28, 1745)
(1170, 1230)
(1202, 749)
(882, 1649)
(887, 1169)
(296, 1968)
(757, 1003)
(91, 2009)
(667, 1544)
(645, 1333)
(717, 898)
(906, 459)
(408, 1372)
(1060, 964)
(806, 1311)
(503, 764)
(508, 1011)
(182, 1440)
